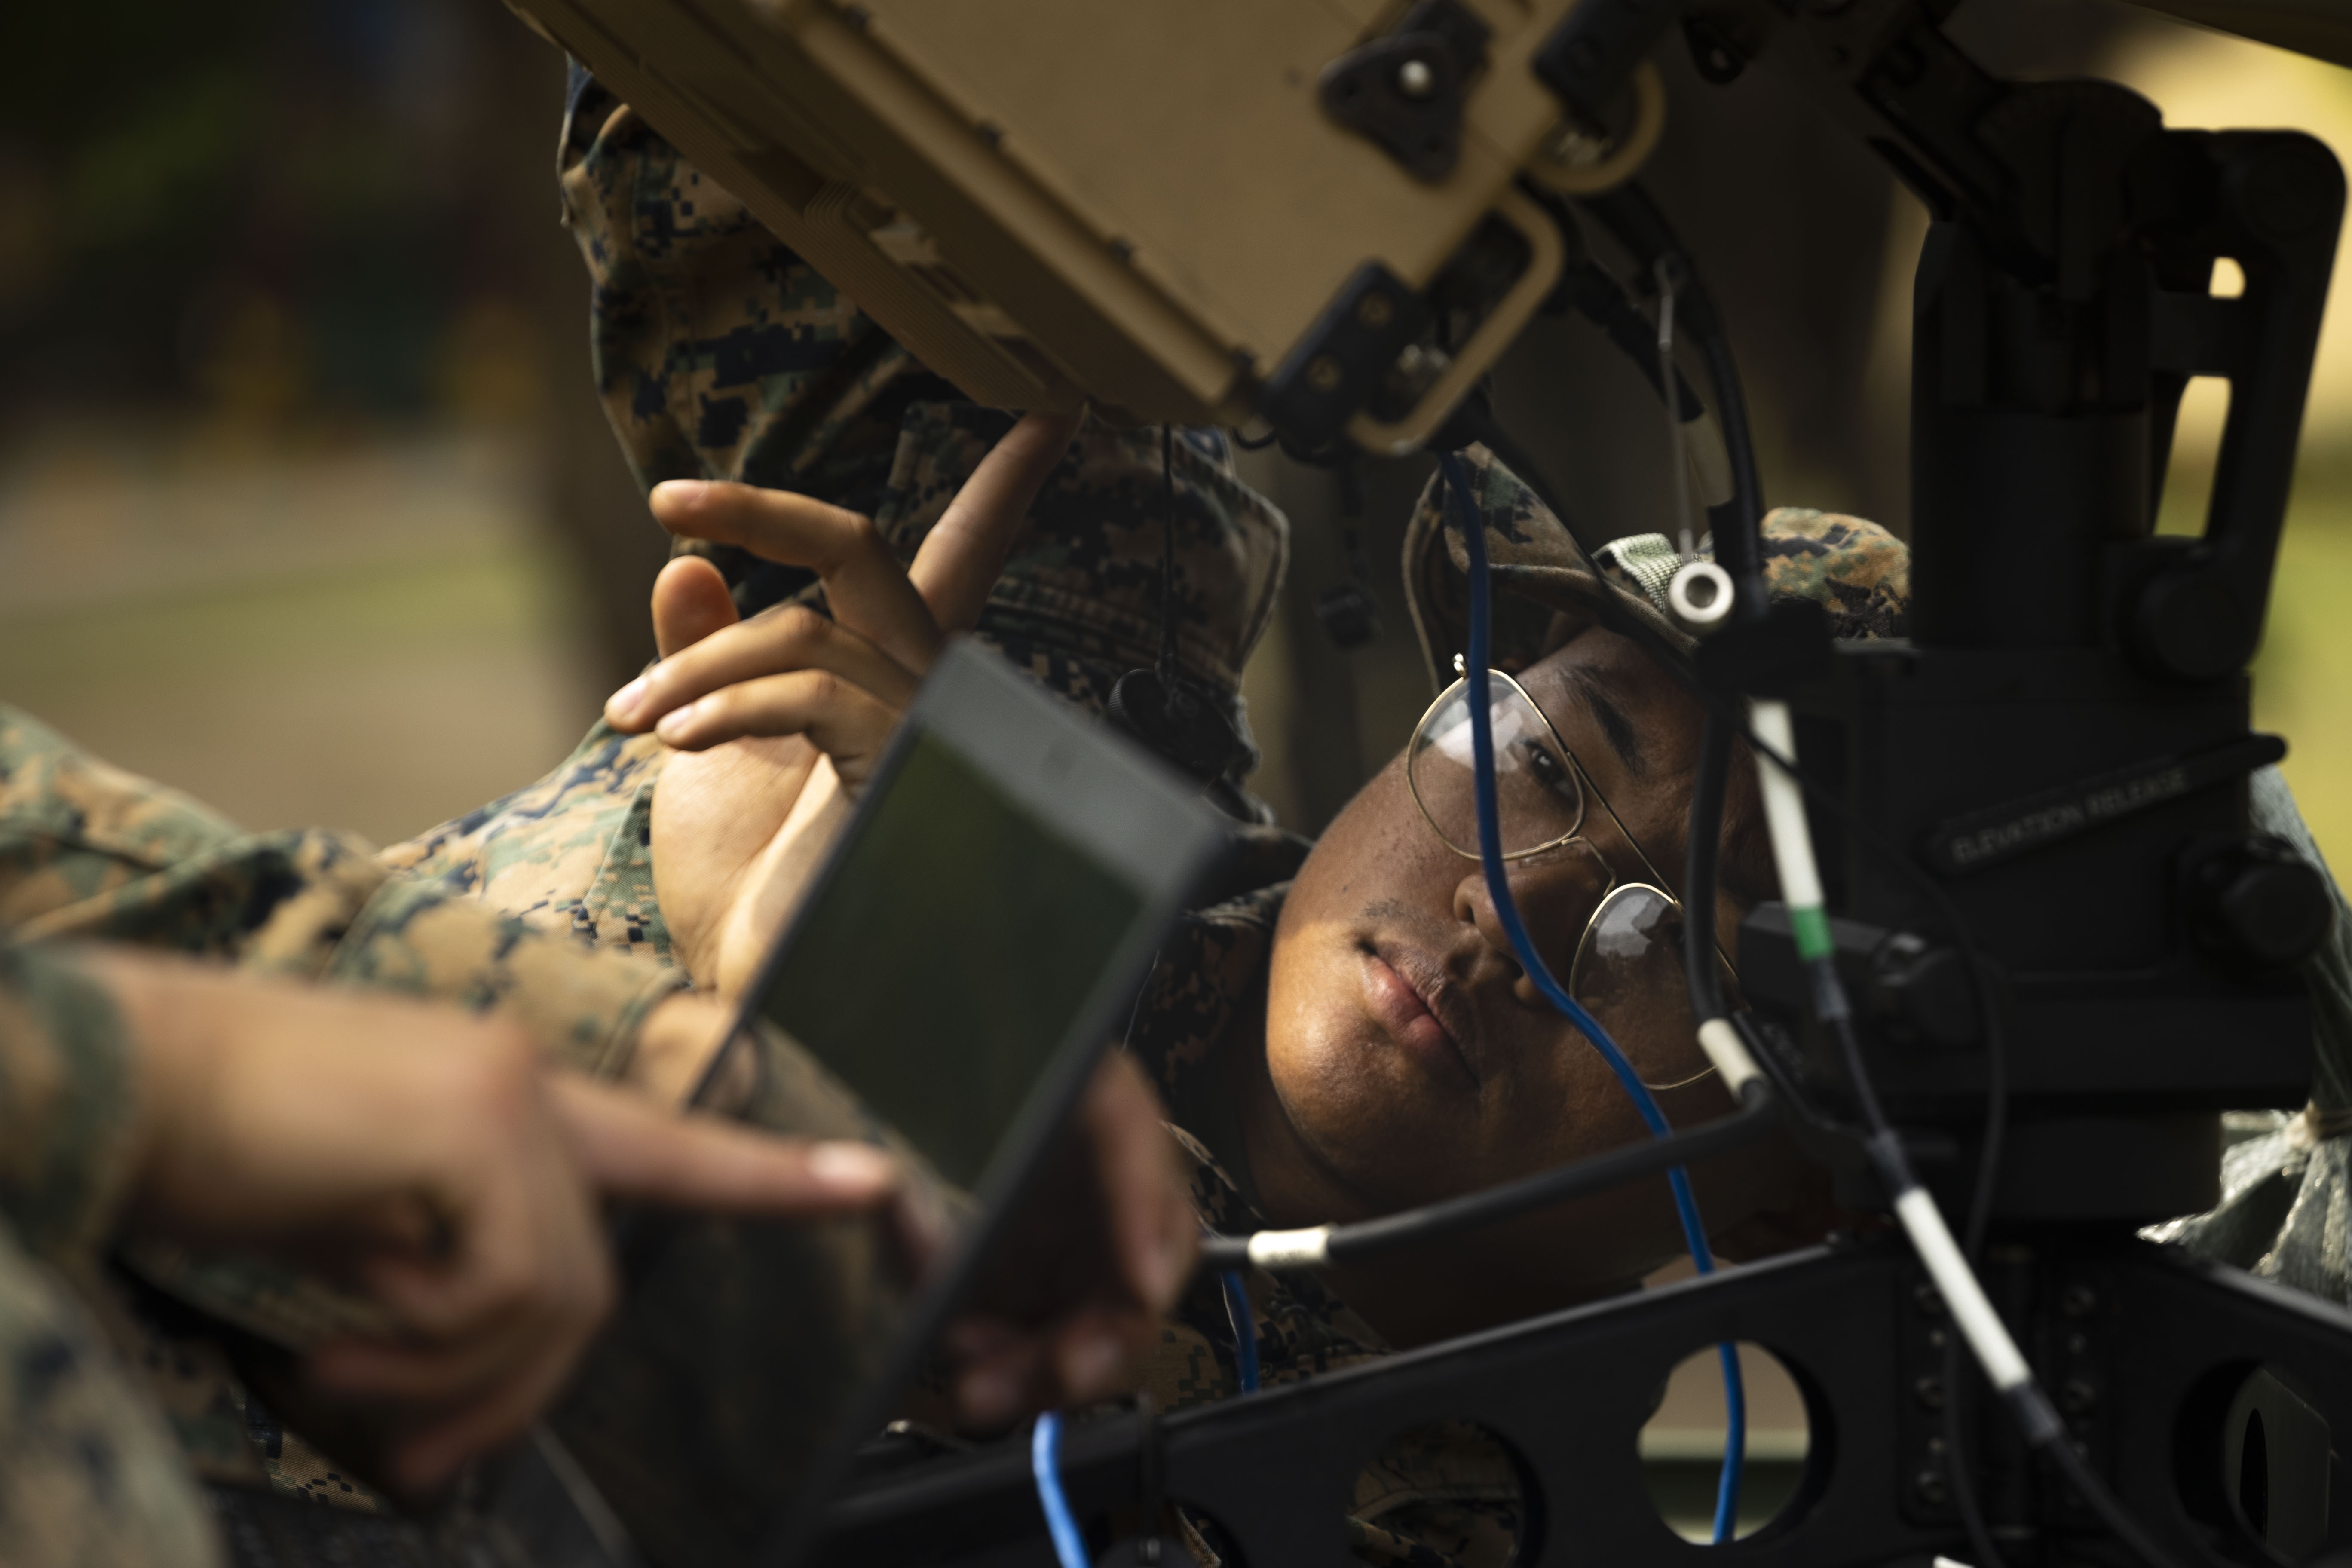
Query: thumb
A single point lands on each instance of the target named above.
(965, 549)
(690, 602)
(629, 1149)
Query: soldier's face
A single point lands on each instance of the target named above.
(1411, 1057)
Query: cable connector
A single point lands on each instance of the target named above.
(1291, 1249)
(1729, 1053)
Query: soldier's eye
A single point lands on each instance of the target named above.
(1549, 769)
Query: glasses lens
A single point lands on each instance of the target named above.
(1537, 794)
(1629, 975)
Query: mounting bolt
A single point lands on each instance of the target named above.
(1415, 79)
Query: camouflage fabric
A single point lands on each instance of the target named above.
(721, 354)
(691, 1456)
(89, 1473)
(1857, 570)
(1860, 571)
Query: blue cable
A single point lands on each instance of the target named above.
(1237, 1308)
(1507, 914)
(1045, 1464)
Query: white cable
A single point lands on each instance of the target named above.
(1801, 887)
(1784, 809)
(1729, 1052)
(1987, 1335)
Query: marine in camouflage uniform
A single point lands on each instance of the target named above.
(685, 1411)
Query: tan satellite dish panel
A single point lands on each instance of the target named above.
(1061, 198)
(2321, 28)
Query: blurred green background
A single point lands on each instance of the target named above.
(307, 505)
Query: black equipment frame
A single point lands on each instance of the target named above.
(2150, 1341)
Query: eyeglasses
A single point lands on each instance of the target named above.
(1629, 960)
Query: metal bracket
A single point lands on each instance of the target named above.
(1407, 90)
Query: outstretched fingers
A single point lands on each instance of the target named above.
(848, 723)
(864, 583)
(631, 1149)
(788, 640)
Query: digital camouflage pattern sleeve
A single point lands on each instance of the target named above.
(89, 1473)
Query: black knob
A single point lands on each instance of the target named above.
(2262, 903)
(2190, 625)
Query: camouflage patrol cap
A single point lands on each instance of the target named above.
(1857, 570)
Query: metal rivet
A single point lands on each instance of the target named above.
(1375, 310)
(1929, 1391)
(1415, 79)
(1324, 374)
(1930, 1485)
(1929, 1303)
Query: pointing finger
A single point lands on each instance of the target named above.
(634, 1149)
(964, 552)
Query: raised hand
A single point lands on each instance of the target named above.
(783, 716)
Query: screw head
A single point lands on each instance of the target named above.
(1929, 1485)
(1415, 79)
(1928, 1391)
(1376, 310)
(2078, 1301)
(1324, 374)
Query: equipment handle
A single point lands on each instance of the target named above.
(1486, 345)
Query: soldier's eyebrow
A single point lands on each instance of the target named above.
(1615, 728)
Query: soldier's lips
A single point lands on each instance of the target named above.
(1412, 1003)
